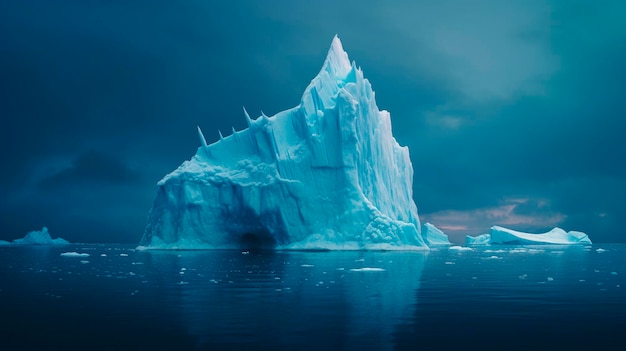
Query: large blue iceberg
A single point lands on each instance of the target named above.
(500, 235)
(326, 174)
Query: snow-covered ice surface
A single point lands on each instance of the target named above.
(326, 174)
(557, 236)
(39, 237)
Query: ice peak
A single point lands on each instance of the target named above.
(337, 62)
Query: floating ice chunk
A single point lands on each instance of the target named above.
(307, 265)
(74, 254)
(124, 255)
(40, 237)
(84, 261)
(600, 250)
(495, 251)
(460, 248)
(367, 269)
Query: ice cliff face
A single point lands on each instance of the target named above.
(433, 236)
(327, 174)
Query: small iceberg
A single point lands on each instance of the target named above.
(40, 237)
(501, 235)
(482, 239)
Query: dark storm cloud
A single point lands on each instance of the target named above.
(92, 167)
(513, 111)
(559, 147)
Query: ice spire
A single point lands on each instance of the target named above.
(248, 119)
(201, 136)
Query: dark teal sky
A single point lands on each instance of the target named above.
(514, 111)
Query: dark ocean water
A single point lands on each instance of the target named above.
(497, 298)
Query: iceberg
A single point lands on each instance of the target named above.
(326, 174)
(433, 236)
(500, 235)
(482, 239)
(40, 237)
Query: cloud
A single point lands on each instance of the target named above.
(496, 100)
(92, 167)
(489, 50)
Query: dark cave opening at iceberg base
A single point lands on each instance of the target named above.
(256, 241)
(252, 231)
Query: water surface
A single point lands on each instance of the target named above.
(486, 298)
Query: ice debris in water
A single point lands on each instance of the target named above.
(460, 248)
(367, 269)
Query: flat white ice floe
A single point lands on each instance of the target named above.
(326, 174)
(460, 248)
(74, 254)
(500, 235)
(367, 269)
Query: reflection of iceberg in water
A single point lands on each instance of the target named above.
(293, 300)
